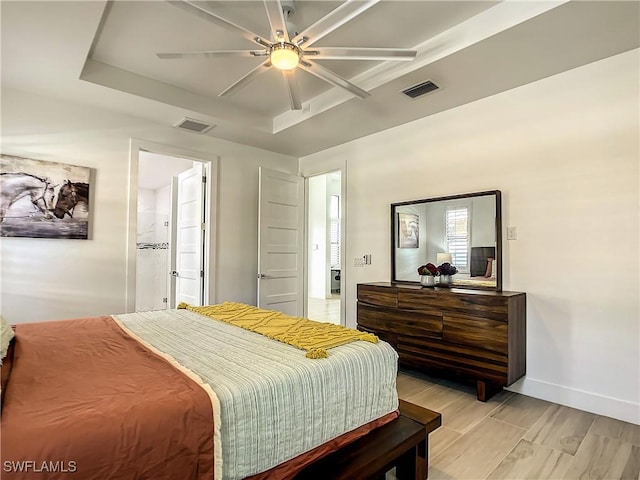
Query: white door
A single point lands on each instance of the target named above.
(281, 242)
(173, 222)
(189, 271)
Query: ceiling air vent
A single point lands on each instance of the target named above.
(420, 89)
(194, 125)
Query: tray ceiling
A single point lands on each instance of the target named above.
(471, 49)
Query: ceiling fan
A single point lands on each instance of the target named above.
(289, 49)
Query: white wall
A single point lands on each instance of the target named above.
(483, 220)
(156, 170)
(564, 151)
(55, 279)
(317, 236)
(163, 200)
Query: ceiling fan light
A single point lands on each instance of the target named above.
(285, 56)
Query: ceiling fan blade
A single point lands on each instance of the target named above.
(276, 20)
(294, 90)
(331, 77)
(263, 67)
(217, 20)
(349, 53)
(213, 53)
(333, 20)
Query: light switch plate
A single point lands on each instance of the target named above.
(512, 234)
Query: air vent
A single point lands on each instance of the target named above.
(420, 89)
(194, 125)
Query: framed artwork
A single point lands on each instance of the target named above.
(40, 199)
(408, 230)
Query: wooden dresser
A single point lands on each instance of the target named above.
(473, 334)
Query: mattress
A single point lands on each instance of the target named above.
(274, 403)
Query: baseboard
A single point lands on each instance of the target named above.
(580, 399)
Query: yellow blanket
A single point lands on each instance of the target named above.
(314, 337)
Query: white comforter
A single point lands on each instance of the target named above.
(274, 402)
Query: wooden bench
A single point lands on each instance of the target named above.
(402, 443)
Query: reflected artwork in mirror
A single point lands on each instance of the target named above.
(464, 230)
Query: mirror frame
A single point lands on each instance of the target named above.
(498, 233)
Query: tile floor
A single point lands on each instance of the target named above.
(513, 436)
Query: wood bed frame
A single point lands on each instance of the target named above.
(402, 443)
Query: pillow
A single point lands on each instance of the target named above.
(490, 261)
(6, 334)
(6, 350)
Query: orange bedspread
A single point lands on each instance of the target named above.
(87, 401)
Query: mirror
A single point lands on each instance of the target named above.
(464, 228)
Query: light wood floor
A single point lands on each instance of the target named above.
(513, 436)
(325, 310)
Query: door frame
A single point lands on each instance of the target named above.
(211, 162)
(341, 167)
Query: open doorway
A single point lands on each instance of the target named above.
(155, 238)
(170, 212)
(324, 261)
(205, 226)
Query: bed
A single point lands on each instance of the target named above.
(178, 394)
(482, 269)
(481, 264)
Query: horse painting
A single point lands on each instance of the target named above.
(69, 195)
(15, 186)
(42, 199)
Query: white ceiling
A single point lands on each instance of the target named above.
(134, 31)
(104, 54)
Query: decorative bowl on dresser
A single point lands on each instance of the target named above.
(472, 334)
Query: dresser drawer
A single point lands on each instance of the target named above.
(375, 295)
(492, 307)
(390, 338)
(476, 332)
(414, 356)
(418, 324)
(433, 348)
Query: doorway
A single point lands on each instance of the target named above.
(324, 248)
(156, 229)
(171, 210)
